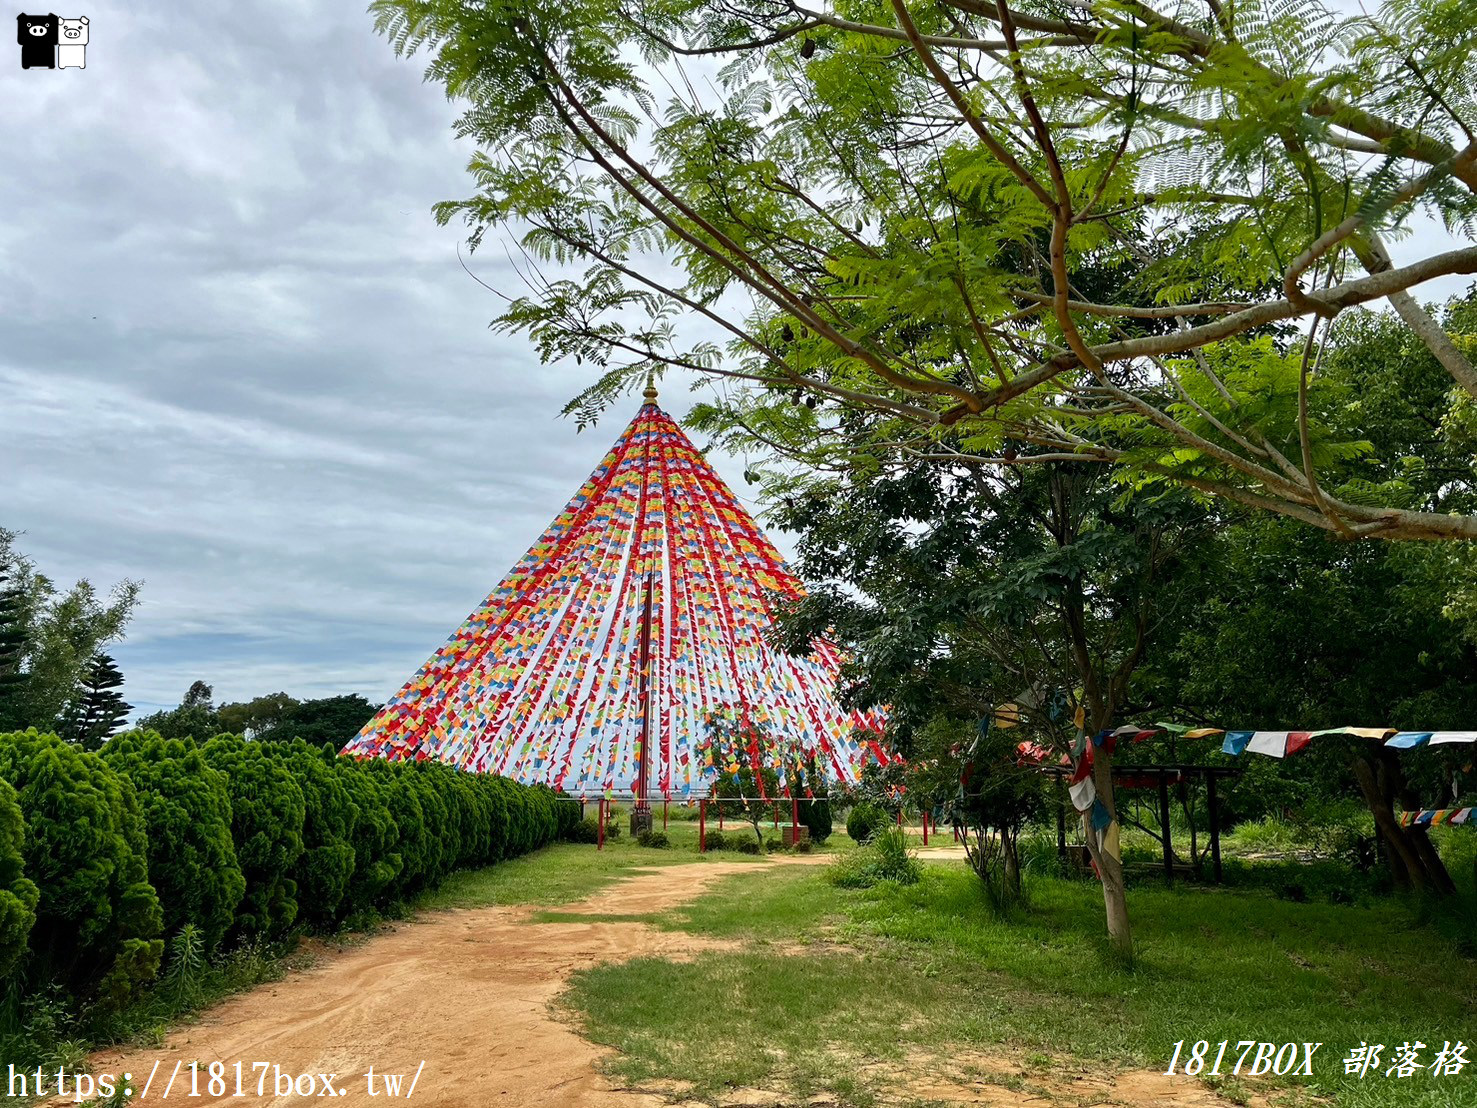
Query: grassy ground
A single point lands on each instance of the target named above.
(566, 872)
(830, 980)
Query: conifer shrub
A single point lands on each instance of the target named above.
(375, 838)
(97, 918)
(267, 816)
(18, 894)
(716, 840)
(325, 867)
(585, 831)
(543, 816)
(405, 808)
(567, 812)
(815, 813)
(865, 821)
(187, 819)
(518, 834)
(468, 798)
(425, 782)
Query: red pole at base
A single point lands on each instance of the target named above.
(702, 826)
(600, 839)
(899, 819)
(665, 803)
(925, 828)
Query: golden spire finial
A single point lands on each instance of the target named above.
(650, 391)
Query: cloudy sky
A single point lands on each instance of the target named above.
(240, 363)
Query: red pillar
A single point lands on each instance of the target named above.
(702, 826)
(666, 802)
(925, 828)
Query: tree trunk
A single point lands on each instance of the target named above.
(1414, 863)
(1106, 854)
(1012, 864)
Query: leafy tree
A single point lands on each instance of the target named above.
(187, 814)
(991, 796)
(1044, 588)
(267, 815)
(195, 717)
(745, 784)
(98, 919)
(60, 633)
(99, 711)
(889, 210)
(256, 716)
(18, 894)
(1294, 632)
(333, 719)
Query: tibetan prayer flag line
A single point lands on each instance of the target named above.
(1406, 740)
(1279, 744)
(1428, 817)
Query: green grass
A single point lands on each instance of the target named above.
(928, 967)
(566, 872)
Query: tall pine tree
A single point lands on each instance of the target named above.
(13, 635)
(100, 709)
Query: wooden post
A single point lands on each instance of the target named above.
(1212, 804)
(925, 827)
(1164, 827)
(702, 826)
(641, 814)
(1061, 817)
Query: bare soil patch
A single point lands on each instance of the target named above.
(466, 991)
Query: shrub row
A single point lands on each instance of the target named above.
(104, 854)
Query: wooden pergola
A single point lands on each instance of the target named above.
(1160, 777)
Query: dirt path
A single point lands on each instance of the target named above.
(466, 991)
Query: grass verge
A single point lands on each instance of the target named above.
(832, 980)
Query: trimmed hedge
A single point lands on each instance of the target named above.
(187, 817)
(267, 814)
(376, 839)
(18, 896)
(325, 867)
(97, 917)
(244, 840)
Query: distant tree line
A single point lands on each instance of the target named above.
(56, 674)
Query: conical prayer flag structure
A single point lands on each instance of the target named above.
(641, 613)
